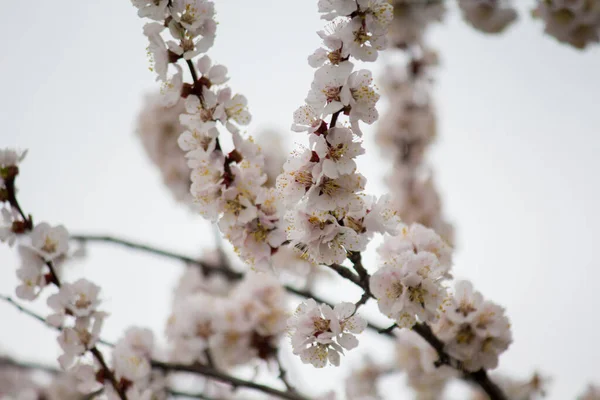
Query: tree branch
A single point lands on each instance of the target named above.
(206, 268)
(199, 369)
(283, 377)
(187, 395)
(479, 377)
(222, 377)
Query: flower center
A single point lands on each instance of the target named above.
(50, 245)
(465, 335)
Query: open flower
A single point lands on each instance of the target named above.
(321, 334)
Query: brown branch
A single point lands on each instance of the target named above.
(480, 378)
(222, 377)
(41, 319)
(206, 268)
(24, 365)
(283, 377)
(199, 369)
(187, 395)
(346, 273)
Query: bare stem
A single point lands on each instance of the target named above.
(283, 377)
(207, 269)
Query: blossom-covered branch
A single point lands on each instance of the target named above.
(199, 369)
(43, 249)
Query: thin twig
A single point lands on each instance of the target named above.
(208, 269)
(27, 365)
(187, 395)
(41, 319)
(283, 377)
(190, 65)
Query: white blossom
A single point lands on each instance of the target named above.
(533, 388)
(79, 299)
(359, 42)
(31, 273)
(592, 393)
(328, 194)
(306, 119)
(489, 16)
(574, 22)
(158, 128)
(236, 109)
(336, 8)
(408, 287)
(416, 358)
(417, 238)
(153, 9)
(215, 73)
(132, 354)
(361, 384)
(11, 157)
(337, 151)
(7, 235)
(381, 217)
(359, 94)
(75, 341)
(50, 242)
(157, 49)
(299, 174)
(326, 87)
(475, 331)
(171, 88)
(192, 14)
(320, 333)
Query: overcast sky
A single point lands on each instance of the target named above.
(516, 161)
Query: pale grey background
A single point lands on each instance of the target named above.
(516, 162)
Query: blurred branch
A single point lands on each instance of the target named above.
(222, 377)
(211, 269)
(206, 267)
(186, 395)
(422, 329)
(9, 362)
(199, 369)
(41, 319)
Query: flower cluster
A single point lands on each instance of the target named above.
(475, 331)
(12, 222)
(43, 249)
(361, 384)
(78, 303)
(533, 388)
(328, 215)
(411, 19)
(228, 187)
(158, 128)
(406, 131)
(488, 16)
(320, 333)
(591, 393)
(131, 361)
(416, 358)
(409, 284)
(227, 325)
(574, 22)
